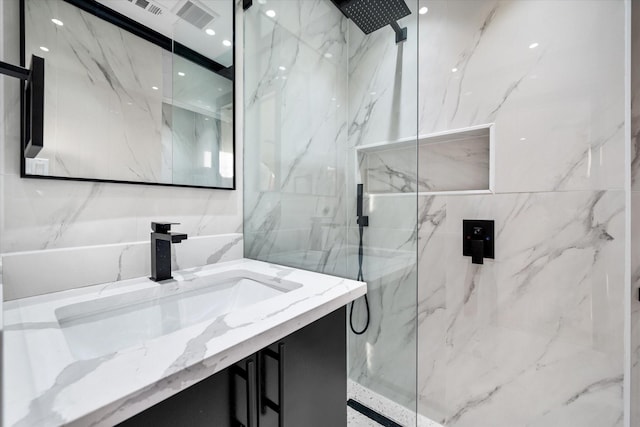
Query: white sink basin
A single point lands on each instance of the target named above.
(132, 318)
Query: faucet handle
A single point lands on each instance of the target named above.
(162, 227)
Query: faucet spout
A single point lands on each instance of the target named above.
(161, 240)
(178, 237)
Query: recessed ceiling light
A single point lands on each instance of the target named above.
(154, 87)
(271, 13)
(181, 74)
(453, 70)
(57, 22)
(328, 55)
(226, 43)
(282, 68)
(533, 45)
(262, 1)
(44, 49)
(210, 32)
(423, 10)
(523, 139)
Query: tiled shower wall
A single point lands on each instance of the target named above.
(635, 213)
(536, 336)
(62, 234)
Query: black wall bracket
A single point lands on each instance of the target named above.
(33, 114)
(401, 33)
(478, 240)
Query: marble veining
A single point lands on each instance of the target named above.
(51, 386)
(559, 115)
(635, 216)
(546, 308)
(106, 263)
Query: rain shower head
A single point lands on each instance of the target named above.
(371, 15)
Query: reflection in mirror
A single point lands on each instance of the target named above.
(198, 119)
(145, 104)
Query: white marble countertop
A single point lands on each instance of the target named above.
(48, 382)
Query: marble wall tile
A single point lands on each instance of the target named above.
(635, 306)
(558, 106)
(635, 97)
(635, 214)
(59, 269)
(541, 323)
(383, 83)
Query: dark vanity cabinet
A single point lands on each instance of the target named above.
(300, 380)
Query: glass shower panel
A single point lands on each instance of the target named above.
(382, 154)
(295, 106)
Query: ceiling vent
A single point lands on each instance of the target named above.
(148, 6)
(195, 15)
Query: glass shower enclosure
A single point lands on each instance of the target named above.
(514, 111)
(324, 103)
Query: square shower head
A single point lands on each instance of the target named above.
(371, 15)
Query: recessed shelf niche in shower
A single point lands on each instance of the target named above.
(459, 161)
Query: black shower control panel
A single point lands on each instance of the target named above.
(478, 239)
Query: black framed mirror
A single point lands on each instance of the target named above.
(136, 91)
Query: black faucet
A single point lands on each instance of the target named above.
(161, 240)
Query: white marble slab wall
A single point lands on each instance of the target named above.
(50, 215)
(542, 323)
(536, 336)
(295, 106)
(635, 214)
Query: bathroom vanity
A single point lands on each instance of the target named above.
(224, 344)
(297, 381)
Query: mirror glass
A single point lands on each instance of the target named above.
(137, 91)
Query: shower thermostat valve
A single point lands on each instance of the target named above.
(478, 239)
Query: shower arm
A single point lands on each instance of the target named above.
(401, 33)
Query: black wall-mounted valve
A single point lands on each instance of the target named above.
(478, 239)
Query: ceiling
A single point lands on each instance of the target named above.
(187, 22)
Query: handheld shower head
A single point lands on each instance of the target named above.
(371, 15)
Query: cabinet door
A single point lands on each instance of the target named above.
(310, 365)
(203, 404)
